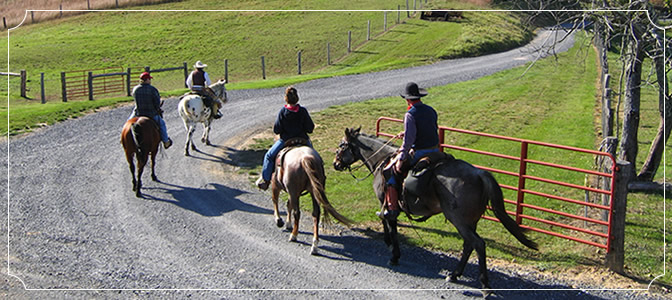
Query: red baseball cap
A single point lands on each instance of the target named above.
(145, 75)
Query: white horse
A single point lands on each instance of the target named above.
(192, 110)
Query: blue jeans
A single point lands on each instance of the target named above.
(269, 159)
(163, 131)
(418, 154)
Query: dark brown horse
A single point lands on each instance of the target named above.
(140, 138)
(458, 190)
(302, 170)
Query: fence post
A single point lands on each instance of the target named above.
(128, 81)
(384, 21)
(368, 30)
(116, 3)
(23, 83)
(60, 8)
(349, 40)
(64, 91)
(4, 22)
(42, 95)
(522, 171)
(263, 67)
(610, 147)
(616, 239)
(32, 17)
(90, 81)
(226, 70)
(408, 13)
(398, 13)
(299, 61)
(328, 54)
(186, 73)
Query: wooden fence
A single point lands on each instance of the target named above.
(23, 77)
(92, 83)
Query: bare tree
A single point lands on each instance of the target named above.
(629, 26)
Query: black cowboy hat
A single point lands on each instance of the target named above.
(413, 92)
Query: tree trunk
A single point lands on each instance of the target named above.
(652, 162)
(633, 79)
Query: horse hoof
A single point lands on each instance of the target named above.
(452, 278)
(292, 238)
(393, 262)
(138, 194)
(486, 293)
(314, 250)
(279, 223)
(154, 178)
(186, 153)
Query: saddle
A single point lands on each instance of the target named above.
(207, 95)
(289, 145)
(417, 179)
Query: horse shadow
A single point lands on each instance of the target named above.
(207, 202)
(368, 247)
(245, 158)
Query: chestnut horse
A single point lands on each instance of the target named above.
(458, 190)
(140, 138)
(302, 170)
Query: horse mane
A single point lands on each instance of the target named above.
(379, 143)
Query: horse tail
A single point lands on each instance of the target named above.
(136, 131)
(310, 165)
(494, 192)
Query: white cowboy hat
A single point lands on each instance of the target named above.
(199, 65)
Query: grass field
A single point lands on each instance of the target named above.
(554, 102)
(167, 39)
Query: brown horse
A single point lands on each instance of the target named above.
(458, 190)
(140, 138)
(302, 170)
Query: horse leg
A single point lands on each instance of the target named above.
(290, 224)
(467, 248)
(296, 215)
(206, 133)
(153, 157)
(190, 132)
(141, 166)
(131, 166)
(275, 195)
(394, 240)
(472, 241)
(316, 226)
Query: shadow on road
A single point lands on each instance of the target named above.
(207, 202)
(369, 248)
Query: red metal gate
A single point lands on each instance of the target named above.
(548, 215)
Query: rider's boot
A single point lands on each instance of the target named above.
(390, 209)
(168, 143)
(262, 184)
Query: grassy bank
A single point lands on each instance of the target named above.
(167, 39)
(553, 102)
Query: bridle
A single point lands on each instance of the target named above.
(345, 145)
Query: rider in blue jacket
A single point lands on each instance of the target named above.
(293, 121)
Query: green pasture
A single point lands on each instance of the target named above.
(553, 102)
(167, 39)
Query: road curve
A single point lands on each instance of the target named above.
(76, 230)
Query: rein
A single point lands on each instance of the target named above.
(367, 159)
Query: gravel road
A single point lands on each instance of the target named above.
(76, 230)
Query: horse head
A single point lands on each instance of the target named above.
(219, 88)
(347, 152)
